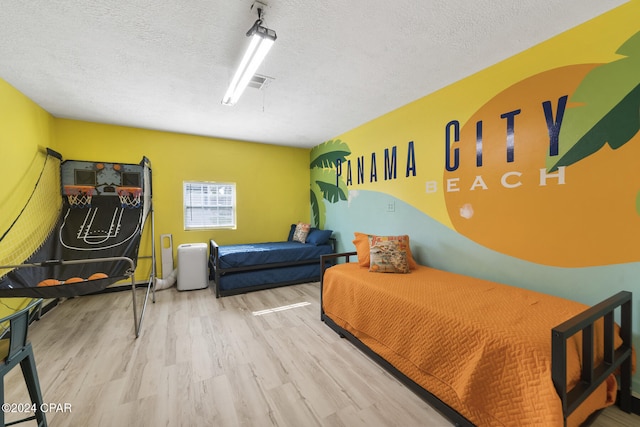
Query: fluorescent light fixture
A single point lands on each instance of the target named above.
(262, 39)
(281, 308)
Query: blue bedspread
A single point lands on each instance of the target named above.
(244, 255)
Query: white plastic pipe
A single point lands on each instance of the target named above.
(168, 282)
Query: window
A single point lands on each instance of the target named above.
(209, 205)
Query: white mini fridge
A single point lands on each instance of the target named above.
(192, 266)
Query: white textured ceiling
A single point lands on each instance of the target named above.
(165, 64)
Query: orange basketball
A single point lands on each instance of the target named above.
(116, 167)
(96, 276)
(73, 280)
(99, 166)
(49, 282)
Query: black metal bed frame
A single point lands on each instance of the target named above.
(615, 360)
(216, 272)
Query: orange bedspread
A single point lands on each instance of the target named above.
(481, 347)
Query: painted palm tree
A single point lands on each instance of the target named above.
(599, 116)
(326, 159)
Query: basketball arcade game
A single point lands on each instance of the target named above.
(96, 238)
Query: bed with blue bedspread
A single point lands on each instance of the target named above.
(250, 267)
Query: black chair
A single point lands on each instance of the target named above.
(15, 349)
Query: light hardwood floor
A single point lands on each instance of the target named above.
(202, 361)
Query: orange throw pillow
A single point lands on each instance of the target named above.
(362, 243)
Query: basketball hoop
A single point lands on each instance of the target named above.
(79, 196)
(129, 196)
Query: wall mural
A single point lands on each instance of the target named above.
(546, 171)
(326, 184)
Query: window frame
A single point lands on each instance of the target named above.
(206, 204)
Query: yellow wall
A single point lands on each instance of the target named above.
(272, 182)
(24, 126)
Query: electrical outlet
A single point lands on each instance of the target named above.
(391, 207)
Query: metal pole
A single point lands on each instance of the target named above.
(136, 328)
(153, 251)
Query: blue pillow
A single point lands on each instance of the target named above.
(318, 237)
(293, 230)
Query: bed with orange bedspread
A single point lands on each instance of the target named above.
(481, 348)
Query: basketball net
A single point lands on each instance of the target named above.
(79, 196)
(129, 196)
